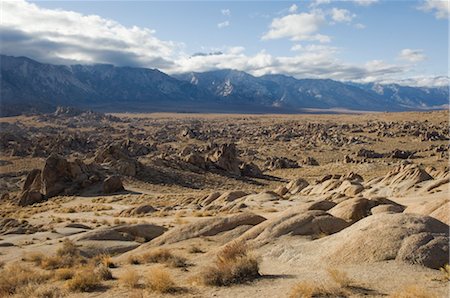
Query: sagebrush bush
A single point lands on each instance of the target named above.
(309, 290)
(164, 256)
(340, 277)
(159, 280)
(234, 264)
(84, 280)
(130, 278)
(16, 276)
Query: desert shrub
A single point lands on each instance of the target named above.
(412, 291)
(84, 280)
(164, 256)
(105, 260)
(340, 277)
(15, 277)
(68, 249)
(64, 274)
(103, 272)
(134, 260)
(159, 280)
(195, 250)
(40, 291)
(234, 264)
(130, 278)
(34, 257)
(309, 289)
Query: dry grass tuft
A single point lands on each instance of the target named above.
(195, 250)
(412, 291)
(130, 278)
(164, 256)
(68, 249)
(234, 264)
(84, 280)
(134, 260)
(340, 277)
(159, 280)
(40, 291)
(16, 277)
(105, 260)
(103, 272)
(66, 256)
(445, 272)
(64, 274)
(309, 289)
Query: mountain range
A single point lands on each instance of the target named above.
(30, 86)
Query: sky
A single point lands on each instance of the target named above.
(360, 40)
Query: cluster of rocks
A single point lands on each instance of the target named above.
(223, 157)
(62, 177)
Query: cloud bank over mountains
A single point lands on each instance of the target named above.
(67, 37)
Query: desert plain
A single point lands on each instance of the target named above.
(220, 205)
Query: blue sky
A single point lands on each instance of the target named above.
(361, 40)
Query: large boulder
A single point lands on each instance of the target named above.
(112, 184)
(295, 221)
(208, 227)
(354, 209)
(118, 159)
(138, 211)
(58, 176)
(409, 238)
(274, 163)
(296, 185)
(136, 232)
(55, 175)
(226, 158)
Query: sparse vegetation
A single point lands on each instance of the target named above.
(159, 280)
(64, 274)
(84, 280)
(130, 278)
(195, 250)
(340, 277)
(164, 256)
(103, 272)
(16, 276)
(234, 264)
(309, 289)
(134, 260)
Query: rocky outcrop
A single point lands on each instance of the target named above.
(409, 238)
(225, 157)
(112, 184)
(62, 177)
(208, 227)
(274, 163)
(118, 160)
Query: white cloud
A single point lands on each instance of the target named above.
(293, 8)
(365, 2)
(226, 12)
(421, 81)
(310, 61)
(360, 26)
(223, 24)
(440, 8)
(342, 15)
(412, 55)
(68, 37)
(316, 3)
(58, 36)
(297, 27)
